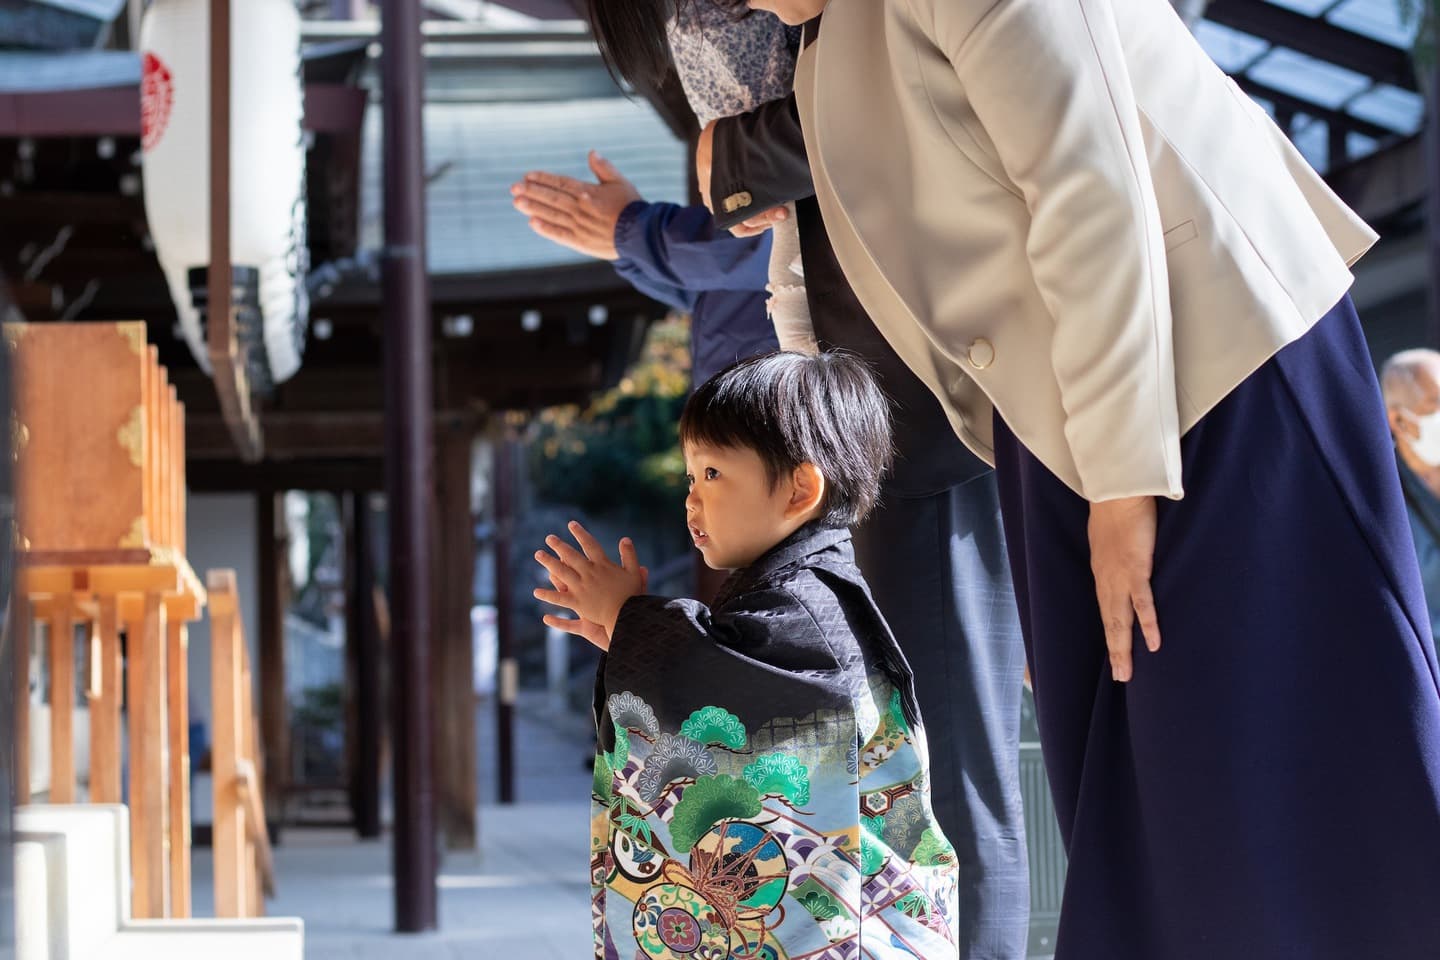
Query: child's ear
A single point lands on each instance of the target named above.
(807, 490)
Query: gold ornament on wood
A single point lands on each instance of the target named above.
(132, 436)
(134, 333)
(136, 537)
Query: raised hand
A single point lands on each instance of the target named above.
(588, 583)
(574, 213)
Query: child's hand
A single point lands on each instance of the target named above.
(587, 582)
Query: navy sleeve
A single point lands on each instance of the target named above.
(680, 251)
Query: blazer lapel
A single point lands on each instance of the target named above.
(858, 148)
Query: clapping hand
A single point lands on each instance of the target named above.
(573, 213)
(589, 584)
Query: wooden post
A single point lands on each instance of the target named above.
(22, 636)
(506, 689)
(229, 818)
(105, 695)
(148, 837)
(455, 749)
(270, 646)
(369, 699)
(409, 444)
(62, 699)
(177, 661)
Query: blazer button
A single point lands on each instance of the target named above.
(981, 354)
(738, 201)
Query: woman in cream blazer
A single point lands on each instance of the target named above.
(1128, 291)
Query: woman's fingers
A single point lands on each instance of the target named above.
(1119, 617)
(1144, 602)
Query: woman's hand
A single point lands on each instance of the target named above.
(575, 214)
(588, 583)
(1122, 554)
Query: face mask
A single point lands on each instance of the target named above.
(1427, 447)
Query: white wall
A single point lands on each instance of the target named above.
(222, 531)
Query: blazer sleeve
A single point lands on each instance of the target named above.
(1048, 83)
(758, 161)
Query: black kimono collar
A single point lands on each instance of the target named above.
(814, 538)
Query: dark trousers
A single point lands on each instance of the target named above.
(938, 570)
(1268, 785)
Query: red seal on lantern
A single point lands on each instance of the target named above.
(157, 97)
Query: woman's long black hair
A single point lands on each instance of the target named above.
(632, 36)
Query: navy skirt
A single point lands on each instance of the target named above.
(1268, 785)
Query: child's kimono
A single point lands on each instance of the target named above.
(761, 791)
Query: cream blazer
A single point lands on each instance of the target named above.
(1063, 210)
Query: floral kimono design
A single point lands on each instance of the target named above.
(761, 790)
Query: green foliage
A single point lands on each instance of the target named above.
(779, 774)
(715, 725)
(620, 454)
(707, 802)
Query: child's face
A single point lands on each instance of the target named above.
(733, 513)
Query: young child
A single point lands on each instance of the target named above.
(762, 786)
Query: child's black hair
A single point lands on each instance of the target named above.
(794, 408)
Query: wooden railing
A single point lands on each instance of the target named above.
(244, 866)
(99, 440)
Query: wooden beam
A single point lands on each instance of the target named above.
(1292, 104)
(228, 832)
(106, 744)
(227, 365)
(271, 476)
(22, 634)
(62, 700)
(453, 667)
(178, 733)
(369, 659)
(147, 736)
(1316, 37)
(270, 646)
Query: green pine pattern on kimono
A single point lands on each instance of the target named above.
(808, 838)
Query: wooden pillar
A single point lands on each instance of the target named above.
(369, 658)
(274, 710)
(409, 461)
(22, 636)
(62, 699)
(228, 836)
(177, 655)
(107, 667)
(453, 675)
(148, 827)
(506, 464)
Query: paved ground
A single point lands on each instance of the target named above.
(523, 894)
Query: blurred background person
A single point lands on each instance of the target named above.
(1411, 384)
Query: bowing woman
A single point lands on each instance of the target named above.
(1129, 293)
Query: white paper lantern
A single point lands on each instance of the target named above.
(267, 167)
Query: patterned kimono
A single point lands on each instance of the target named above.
(762, 786)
